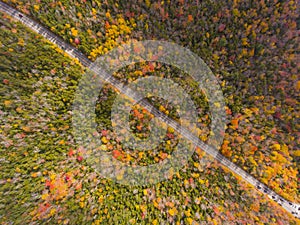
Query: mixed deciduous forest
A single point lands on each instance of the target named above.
(250, 46)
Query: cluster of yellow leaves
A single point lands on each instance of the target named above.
(114, 31)
(81, 202)
(172, 211)
(36, 8)
(296, 153)
(98, 221)
(163, 109)
(155, 222)
(74, 32)
(7, 103)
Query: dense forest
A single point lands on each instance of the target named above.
(250, 46)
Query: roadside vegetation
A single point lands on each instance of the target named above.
(250, 47)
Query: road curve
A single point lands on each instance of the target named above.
(291, 207)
